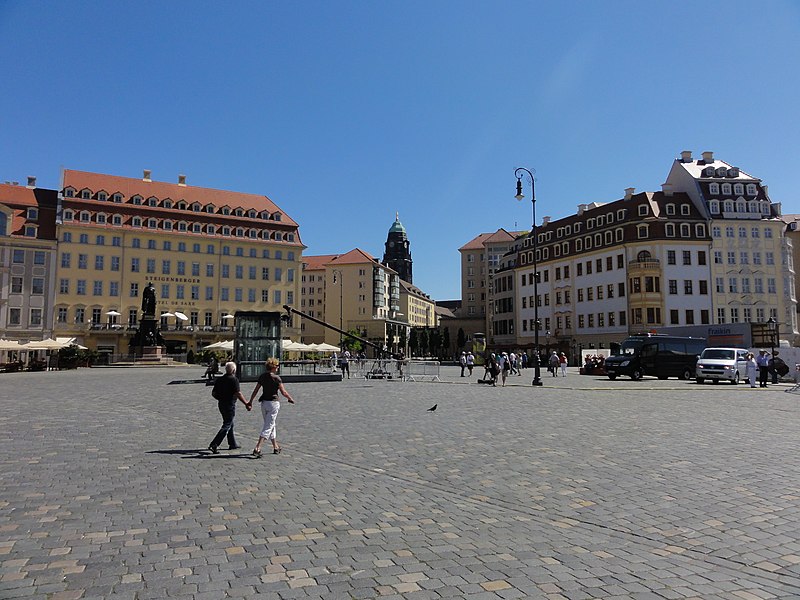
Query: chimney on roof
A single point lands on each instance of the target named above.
(667, 189)
(146, 175)
(31, 182)
(182, 180)
(708, 157)
(545, 221)
(686, 156)
(629, 193)
(766, 190)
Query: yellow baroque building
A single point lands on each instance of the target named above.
(207, 252)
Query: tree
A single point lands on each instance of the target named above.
(423, 341)
(446, 342)
(403, 339)
(435, 342)
(461, 339)
(352, 344)
(414, 342)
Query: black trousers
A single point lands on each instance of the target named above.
(227, 409)
(763, 375)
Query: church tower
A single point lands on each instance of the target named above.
(397, 254)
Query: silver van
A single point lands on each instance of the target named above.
(717, 364)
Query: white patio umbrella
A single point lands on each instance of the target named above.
(48, 344)
(327, 348)
(113, 313)
(167, 314)
(228, 317)
(10, 345)
(181, 316)
(295, 347)
(223, 345)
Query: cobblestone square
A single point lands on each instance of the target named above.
(584, 488)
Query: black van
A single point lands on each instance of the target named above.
(654, 354)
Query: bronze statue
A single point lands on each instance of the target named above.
(149, 300)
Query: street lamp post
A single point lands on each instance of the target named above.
(518, 173)
(773, 331)
(341, 288)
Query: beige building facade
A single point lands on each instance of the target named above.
(208, 253)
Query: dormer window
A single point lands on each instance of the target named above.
(265, 236)
(265, 215)
(181, 225)
(238, 212)
(239, 231)
(610, 218)
(251, 213)
(685, 209)
(152, 201)
(152, 223)
(738, 189)
(197, 228)
(728, 206)
(101, 218)
(577, 228)
(116, 220)
(69, 193)
(618, 235)
(713, 189)
(276, 216)
(136, 222)
(670, 230)
(568, 230)
(621, 214)
(685, 230)
(117, 198)
(726, 189)
(196, 207)
(211, 229)
(31, 230)
(752, 207)
(765, 208)
(733, 172)
(181, 205)
(102, 196)
(700, 230)
(226, 211)
(86, 194)
(670, 209)
(136, 200)
(590, 224)
(752, 190)
(643, 231)
(68, 215)
(713, 207)
(210, 209)
(167, 203)
(167, 225)
(708, 171)
(253, 233)
(722, 172)
(643, 211)
(600, 221)
(32, 214)
(587, 242)
(86, 217)
(226, 230)
(740, 206)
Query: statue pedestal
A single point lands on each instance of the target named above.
(152, 354)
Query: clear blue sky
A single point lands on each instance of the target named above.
(344, 112)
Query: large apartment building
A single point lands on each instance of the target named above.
(208, 253)
(27, 260)
(354, 291)
(709, 249)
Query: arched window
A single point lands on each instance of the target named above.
(713, 207)
(686, 231)
(167, 203)
(251, 213)
(670, 230)
(644, 255)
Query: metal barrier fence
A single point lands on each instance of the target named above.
(422, 370)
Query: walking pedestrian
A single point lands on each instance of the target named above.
(344, 363)
(505, 367)
(470, 362)
(512, 359)
(751, 369)
(463, 362)
(562, 360)
(226, 391)
(270, 405)
(552, 364)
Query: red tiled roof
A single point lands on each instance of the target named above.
(354, 257)
(128, 187)
(20, 198)
(318, 262)
(501, 235)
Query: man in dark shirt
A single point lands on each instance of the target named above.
(226, 391)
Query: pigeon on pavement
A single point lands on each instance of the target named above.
(433, 408)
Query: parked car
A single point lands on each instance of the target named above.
(655, 354)
(722, 364)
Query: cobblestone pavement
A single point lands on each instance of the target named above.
(584, 488)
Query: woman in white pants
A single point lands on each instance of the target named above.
(751, 368)
(270, 405)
